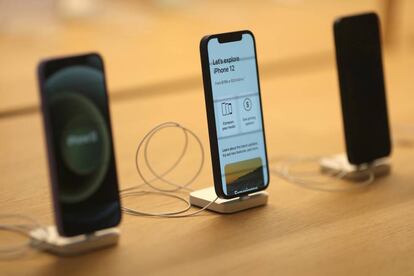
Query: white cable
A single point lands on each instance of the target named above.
(21, 229)
(284, 165)
(147, 139)
(143, 144)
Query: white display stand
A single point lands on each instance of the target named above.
(338, 164)
(48, 239)
(202, 198)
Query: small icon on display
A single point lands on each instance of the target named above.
(226, 109)
(247, 104)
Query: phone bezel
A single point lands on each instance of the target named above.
(52, 162)
(208, 93)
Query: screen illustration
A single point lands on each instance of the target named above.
(244, 175)
(80, 131)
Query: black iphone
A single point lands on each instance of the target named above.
(234, 113)
(361, 81)
(79, 144)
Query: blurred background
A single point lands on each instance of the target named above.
(152, 46)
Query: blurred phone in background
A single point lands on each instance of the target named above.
(362, 88)
(79, 143)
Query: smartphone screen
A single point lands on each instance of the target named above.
(239, 131)
(79, 140)
(364, 107)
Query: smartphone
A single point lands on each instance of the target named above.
(362, 88)
(80, 150)
(234, 114)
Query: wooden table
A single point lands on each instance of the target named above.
(367, 232)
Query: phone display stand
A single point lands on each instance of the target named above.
(202, 198)
(48, 239)
(338, 164)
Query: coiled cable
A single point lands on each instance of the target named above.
(176, 187)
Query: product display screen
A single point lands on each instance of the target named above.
(238, 114)
(86, 188)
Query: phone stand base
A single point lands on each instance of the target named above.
(338, 164)
(48, 239)
(202, 198)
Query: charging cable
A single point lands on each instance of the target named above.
(175, 187)
(22, 225)
(306, 179)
